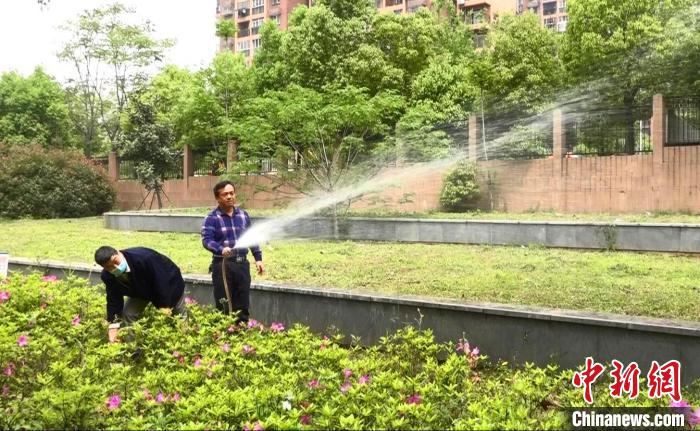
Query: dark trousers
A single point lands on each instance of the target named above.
(238, 279)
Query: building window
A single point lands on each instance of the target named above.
(550, 22)
(561, 25)
(475, 16)
(258, 6)
(256, 44)
(275, 18)
(378, 3)
(255, 26)
(243, 47)
(275, 2)
(479, 40)
(549, 8)
(562, 6)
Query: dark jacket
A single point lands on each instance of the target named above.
(152, 277)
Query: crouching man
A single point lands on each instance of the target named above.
(142, 275)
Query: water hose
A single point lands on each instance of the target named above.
(226, 289)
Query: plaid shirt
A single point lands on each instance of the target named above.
(219, 230)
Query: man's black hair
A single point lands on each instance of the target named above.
(104, 254)
(220, 185)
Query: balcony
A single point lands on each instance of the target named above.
(243, 8)
(389, 3)
(415, 4)
(533, 3)
(255, 30)
(243, 32)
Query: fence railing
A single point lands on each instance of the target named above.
(608, 132)
(127, 170)
(509, 138)
(682, 121)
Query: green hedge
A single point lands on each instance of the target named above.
(40, 183)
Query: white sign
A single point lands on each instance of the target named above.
(4, 263)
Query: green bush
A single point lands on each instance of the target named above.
(58, 371)
(460, 189)
(40, 183)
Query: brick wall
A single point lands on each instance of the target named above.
(666, 180)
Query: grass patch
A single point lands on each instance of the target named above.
(643, 284)
(648, 217)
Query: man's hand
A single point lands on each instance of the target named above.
(260, 267)
(113, 335)
(227, 251)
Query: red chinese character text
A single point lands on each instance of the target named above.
(587, 377)
(665, 380)
(625, 379)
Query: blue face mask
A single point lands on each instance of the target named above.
(121, 268)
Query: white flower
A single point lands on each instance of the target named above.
(286, 405)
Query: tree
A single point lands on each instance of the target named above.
(330, 131)
(149, 144)
(34, 109)
(616, 40)
(110, 56)
(226, 29)
(524, 70)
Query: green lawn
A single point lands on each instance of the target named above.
(649, 217)
(650, 284)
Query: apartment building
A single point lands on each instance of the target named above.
(249, 15)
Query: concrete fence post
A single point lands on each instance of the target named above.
(113, 166)
(187, 162)
(658, 129)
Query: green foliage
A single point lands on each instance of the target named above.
(523, 58)
(149, 145)
(40, 183)
(110, 54)
(460, 188)
(205, 373)
(34, 109)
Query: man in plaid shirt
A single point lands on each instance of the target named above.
(221, 229)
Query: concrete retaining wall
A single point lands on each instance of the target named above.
(620, 236)
(512, 333)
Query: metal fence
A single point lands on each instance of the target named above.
(682, 121)
(610, 131)
(127, 170)
(509, 138)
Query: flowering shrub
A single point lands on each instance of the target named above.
(203, 373)
(40, 183)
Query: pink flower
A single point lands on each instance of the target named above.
(475, 352)
(276, 327)
(22, 341)
(694, 418)
(258, 426)
(190, 300)
(147, 394)
(231, 329)
(248, 350)
(113, 402)
(463, 346)
(225, 347)
(347, 373)
(76, 320)
(9, 370)
(5, 390)
(346, 387)
(413, 399)
(50, 278)
(43, 305)
(313, 384)
(4, 296)
(679, 404)
(366, 378)
(160, 398)
(197, 362)
(175, 397)
(305, 420)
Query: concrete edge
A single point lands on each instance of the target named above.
(656, 325)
